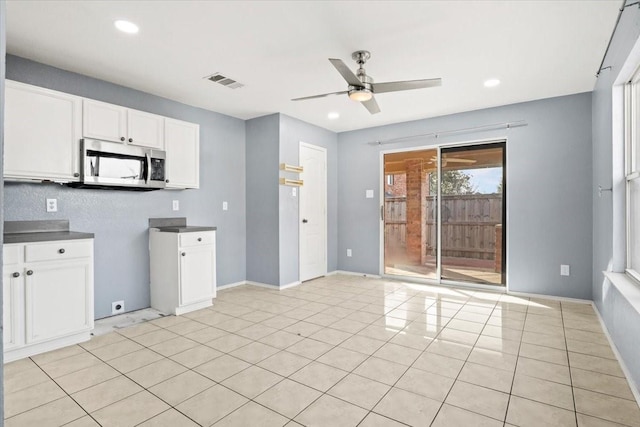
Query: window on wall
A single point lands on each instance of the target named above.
(632, 161)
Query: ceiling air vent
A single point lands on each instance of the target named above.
(224, 81)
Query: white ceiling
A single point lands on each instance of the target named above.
(279, 51)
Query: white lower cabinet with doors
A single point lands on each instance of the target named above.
(48, 296)
(183, 270)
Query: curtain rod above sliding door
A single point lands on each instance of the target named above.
(495, 126)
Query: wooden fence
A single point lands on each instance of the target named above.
(468, 225)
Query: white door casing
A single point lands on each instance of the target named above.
(313, 212)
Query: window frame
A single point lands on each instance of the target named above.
(631, 164)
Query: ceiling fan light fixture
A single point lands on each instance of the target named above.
(360, 95)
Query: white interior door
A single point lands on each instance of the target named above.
(313, 212)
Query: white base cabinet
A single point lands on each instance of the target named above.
(183, 270)
(48, 296)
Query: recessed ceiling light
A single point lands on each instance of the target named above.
(333, 115)
(491, 83)
(126, 27)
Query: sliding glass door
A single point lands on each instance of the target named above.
(458, 191)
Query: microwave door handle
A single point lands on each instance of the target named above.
(147, 168)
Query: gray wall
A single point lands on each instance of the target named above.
(292, 132)
(262, 199)
(3, 39)
(548, 190)
(272, 210)
(120, 219)
(622, 320)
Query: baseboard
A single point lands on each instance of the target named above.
(231, 285)
(261, 285)
(550, 297)
(354, 273)
(625, 370)
(290, 285)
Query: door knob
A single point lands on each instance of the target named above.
(29, 272)
(16, 274)
(61, 250)
(183, 254)
(130, 139)
(122, 138)
(304, 221)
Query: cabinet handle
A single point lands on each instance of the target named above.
(16, 274)
(130, 139)
(183, 254)
(166, 180)
(76, 174)
(29, 272)
(61, 250)
(122, 138)
(199, 239)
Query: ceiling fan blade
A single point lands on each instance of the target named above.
(371, 105)
(404, 85)
(320, 96)
(346, 72)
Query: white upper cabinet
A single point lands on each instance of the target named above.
(110, 122)
(42, 133)
(43, 129)
(145, 129)
(182, 144)
(104, 121)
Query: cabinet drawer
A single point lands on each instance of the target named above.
(11, 254)
(60, 250)
(195, 239)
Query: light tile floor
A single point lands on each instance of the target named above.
(336, 351)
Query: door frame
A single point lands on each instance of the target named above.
(439, 281)
(324, 214)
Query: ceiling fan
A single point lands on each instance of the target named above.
(361, 86)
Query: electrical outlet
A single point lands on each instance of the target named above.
(225, 206)
(565, 270)
(52, 205)
(117, 307)
(176, 205)
(348, 252)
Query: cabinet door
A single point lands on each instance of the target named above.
(145, 129)
(42, 133)
(13, 311)
(182, 144)
(104, 121)
(59, 299)
(197, 274)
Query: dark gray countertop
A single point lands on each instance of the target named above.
(40, 231)
(176, 225)
(44, 236)
(185, 229)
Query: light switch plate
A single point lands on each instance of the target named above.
(294, 191)
(52, 205)
(225, 206)
(565, 270)
(176, 205)
(369, 194)
(349, 252)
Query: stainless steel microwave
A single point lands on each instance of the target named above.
(111, 165)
